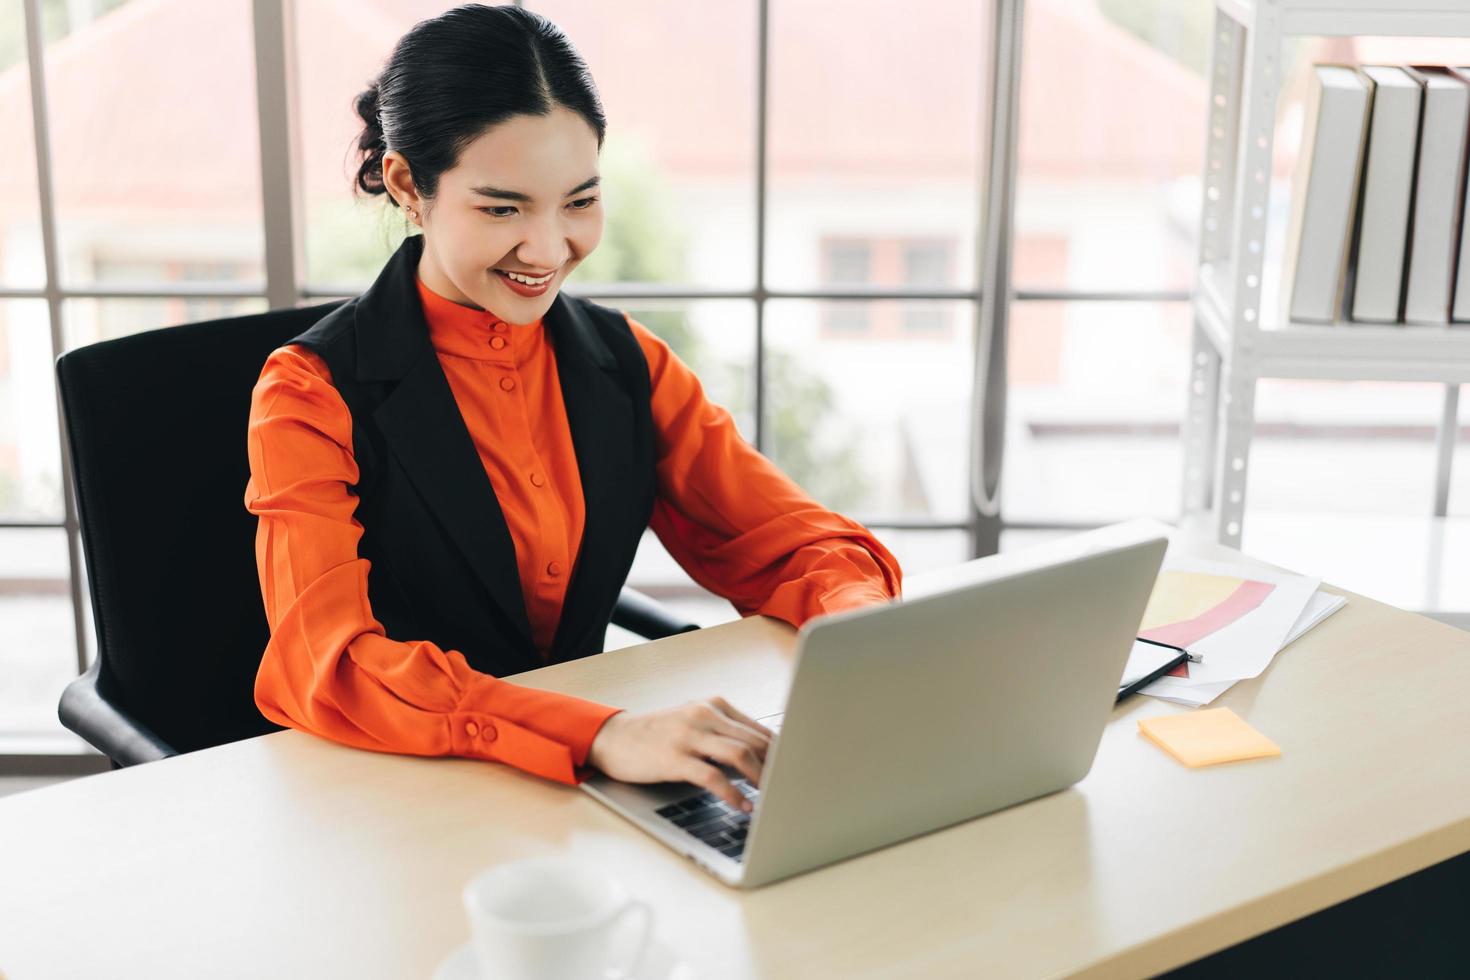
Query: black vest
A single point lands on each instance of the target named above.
(443, 565)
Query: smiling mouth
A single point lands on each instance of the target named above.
(527, 280)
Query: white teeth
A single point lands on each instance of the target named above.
(528, 280)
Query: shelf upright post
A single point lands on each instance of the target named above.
(1248, 245)
(1444, 453)
(1222, 131)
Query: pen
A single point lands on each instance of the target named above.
(1194, 658)
(1180, 657)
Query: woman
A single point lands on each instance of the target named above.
(453, 470)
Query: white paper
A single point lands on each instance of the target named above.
(1244, 648)
(1195, 693)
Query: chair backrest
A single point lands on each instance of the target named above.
(157, 424)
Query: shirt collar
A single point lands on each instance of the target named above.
(466, 332)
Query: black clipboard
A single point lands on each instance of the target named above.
(1180, 656)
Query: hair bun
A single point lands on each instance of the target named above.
(370, 142)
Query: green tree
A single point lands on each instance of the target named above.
(644, 242)
(801, 402)
(1179, 30)
(641, 242)
(58, 19)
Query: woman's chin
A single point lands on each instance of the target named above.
(521, 309)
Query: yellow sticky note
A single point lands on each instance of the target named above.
(1203, 738)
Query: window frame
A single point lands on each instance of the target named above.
(285, 285)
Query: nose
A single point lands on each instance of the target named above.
(545, 246)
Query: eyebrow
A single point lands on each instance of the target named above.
(506, 195)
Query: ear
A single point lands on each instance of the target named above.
(398, 179)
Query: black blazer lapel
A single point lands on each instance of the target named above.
(601, 418)
(422, 425)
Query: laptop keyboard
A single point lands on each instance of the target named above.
(713, 821)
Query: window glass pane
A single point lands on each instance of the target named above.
(848, 263)
(1341, 485)
(677, 163)
(158, 181)
(30, 450)
(679, 160)
(347, 239)
(926, 263)
(874, 132)
(1361, 447)
(1096, 397)
(1015, 539)
(87, 321)
(1111, 141)
(873, 421)
(21, 261)
(657, 574)
(924, 551)
(1459, 502)
(36, 630)
(716, 338)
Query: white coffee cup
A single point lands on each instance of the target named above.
(551, 918)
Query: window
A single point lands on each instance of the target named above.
(926, 264)
(866, 400)
(887, 262)
(847, 263)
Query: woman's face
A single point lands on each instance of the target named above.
(524, 198)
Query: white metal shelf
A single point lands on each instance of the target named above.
(1346, 18)
(1236, 339)
(1343, 351)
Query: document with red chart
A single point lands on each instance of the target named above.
(1235, 618)
(1182, 690)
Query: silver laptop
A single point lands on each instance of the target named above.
(910, 716)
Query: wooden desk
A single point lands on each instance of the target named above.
(289, 855)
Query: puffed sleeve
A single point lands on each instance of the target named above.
(328, 668)
(738, 525)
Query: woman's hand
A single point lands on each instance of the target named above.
(678, 744)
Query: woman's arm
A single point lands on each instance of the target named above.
(738, 525)
(329, 668)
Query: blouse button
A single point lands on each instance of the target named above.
(507, 384)
(497, 342)
(488, 733)
(497, 326)
(471, 728)
(536, 480)
(553, 568)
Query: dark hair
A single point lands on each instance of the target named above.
(454, 76)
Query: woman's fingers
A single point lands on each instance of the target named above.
(754, 740)
(731, 752)
(709, 777)
(741, 717)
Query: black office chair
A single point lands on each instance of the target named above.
(156, 426)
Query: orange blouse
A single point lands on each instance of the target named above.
(735, 523)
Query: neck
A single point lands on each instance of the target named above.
(434, 278)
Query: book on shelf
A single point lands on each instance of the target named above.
(1324, 192)
(1460, 311)
(1438, 196)
(1380, 243)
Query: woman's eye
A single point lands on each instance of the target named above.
(505, 210)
